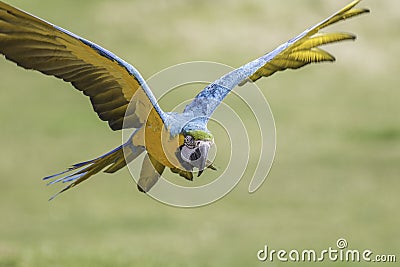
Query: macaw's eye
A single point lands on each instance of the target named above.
(189, 141)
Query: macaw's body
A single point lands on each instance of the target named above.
(120, 95)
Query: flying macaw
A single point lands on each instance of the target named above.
(179, 141)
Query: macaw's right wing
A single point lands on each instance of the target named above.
(295, 53)
(110, 82)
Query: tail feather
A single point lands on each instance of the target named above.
(116, 166)
(114, 160)
(131, 152)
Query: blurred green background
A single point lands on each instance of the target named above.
(336, 171)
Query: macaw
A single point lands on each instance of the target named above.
(178, 141)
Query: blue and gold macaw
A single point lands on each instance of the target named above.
(120, 95)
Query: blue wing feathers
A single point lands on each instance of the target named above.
(102, 51)
(218, 90)
(34, 43)
(128, 67)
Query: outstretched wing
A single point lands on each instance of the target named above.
(109, 81)
(295, 53)
(304, 49)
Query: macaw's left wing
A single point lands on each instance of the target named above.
(304, 49)
(110, 82)
(295, 53)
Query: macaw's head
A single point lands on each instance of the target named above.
(194, 151)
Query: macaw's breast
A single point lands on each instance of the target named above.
(158, 141)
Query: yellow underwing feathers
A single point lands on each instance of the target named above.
(305, 50)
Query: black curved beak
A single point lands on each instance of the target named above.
(204, 147)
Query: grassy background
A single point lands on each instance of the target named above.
(336, 172)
